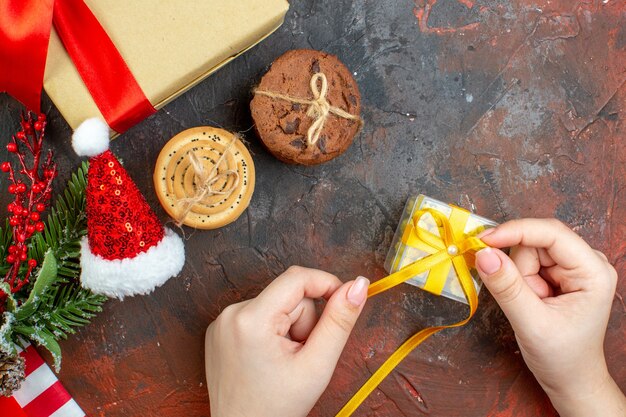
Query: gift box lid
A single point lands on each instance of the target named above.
(169, 46)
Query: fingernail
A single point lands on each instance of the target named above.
(486, 232)
(488, 261)
(358, 291)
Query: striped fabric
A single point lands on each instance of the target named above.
(41, 393)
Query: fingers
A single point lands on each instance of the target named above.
(528, 263)
(504, 281)
(601, 255)
(287, 290)
(303, 319)
(564, 246)
(539, 286)
(328, 338)
(526, 259)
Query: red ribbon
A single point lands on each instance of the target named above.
(25, 27)
(24, 36)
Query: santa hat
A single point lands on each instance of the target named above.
(127, 251)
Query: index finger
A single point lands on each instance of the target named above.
(564, 246)
(296, 283)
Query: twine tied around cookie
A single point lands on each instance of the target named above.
(319, 108)
(204, 181)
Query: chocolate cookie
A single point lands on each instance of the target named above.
(307, 107)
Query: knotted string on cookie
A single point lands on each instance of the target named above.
(204, 181)
(319, 108)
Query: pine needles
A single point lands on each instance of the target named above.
(56, 304)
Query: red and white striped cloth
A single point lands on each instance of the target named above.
(41, 393)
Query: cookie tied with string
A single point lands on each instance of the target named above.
(307, 107)
(204, 177)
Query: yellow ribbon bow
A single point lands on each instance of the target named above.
(451, 249)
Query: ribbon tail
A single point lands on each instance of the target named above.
(439, 265)
(103, 70)
(385, 369)
(437, 278)
(467, 284)
(407, 347)
(25, 27)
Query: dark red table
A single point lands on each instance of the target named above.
(515, 108)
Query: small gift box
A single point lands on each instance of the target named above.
(168, 46)
(407, 247)
(41, 394)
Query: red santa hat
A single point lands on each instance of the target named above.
(127, 251)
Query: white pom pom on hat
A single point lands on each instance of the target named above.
(91, 138)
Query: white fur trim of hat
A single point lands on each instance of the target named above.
(141, 274)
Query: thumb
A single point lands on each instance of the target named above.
(328, 338)
(506, 284)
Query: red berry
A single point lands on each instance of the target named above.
(21, 135)
(12, 249)
(40, 207)
(12, 189)
(5, 167)
(39, 226)
(21, 188)
(34, 216)
(36, 189)
(32, 263)
(30, 229)
(12, 147)
(23, 256)
(38, 126)
(10, 259)
(21, 237)
(41, 117)
(49, 173)
(25, 212)
(14, 221)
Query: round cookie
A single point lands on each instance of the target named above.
(283, 124)
(226, 190)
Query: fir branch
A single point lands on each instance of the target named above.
(60, 310)
(6, 237)
(61, 304)
(65, 226)
(54, 309)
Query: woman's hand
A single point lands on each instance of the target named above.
(557, 293)
(271, 356)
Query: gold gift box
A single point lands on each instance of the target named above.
(401, 255)
(169, 46)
